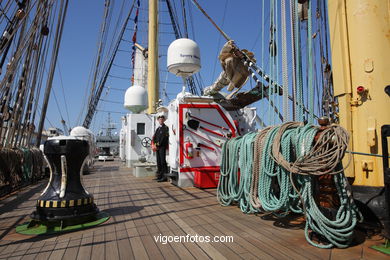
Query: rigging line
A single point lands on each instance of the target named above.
(107, 111)
(19, 85)
(46, 118)
(100, 49)
(63, 91)
(58, 106)
(86, 90)
(146, 22)
(122, 8)
(93, 105)
(144, 31)
(20, 101)
(5, 15)
(20, 50)
(118, 77)
(298, 54)
(192, 21)
(175, 16)
(262, 36)
(106, 52)
(253, 68)
(277, 68)
(219, 41)
(211, 20)
(284, 61)
(270, 60)
(56, 47)
(124, 51)
(316, 89)
(19, 23)
(121, 66)
(21, 88)
(165, 87)
(259, 35)
(42, 68)
(35, 89)
(326, 29)
(174, 20)
(111, 101)
(117, 89)
(310, 64)
(160, 11)
(174, 24)
(144, 43)
(184, 18)
(293, 54)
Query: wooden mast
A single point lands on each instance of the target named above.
(153, 77)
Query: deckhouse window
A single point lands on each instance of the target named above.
(140, 128)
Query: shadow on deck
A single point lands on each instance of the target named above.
(143, 211)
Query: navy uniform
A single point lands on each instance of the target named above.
(161, 140)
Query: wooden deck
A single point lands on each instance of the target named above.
(141, 209)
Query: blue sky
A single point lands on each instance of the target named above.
(79, 46)
(241, 20)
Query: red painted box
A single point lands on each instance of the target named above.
(206, 178)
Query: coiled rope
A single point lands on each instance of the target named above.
(19, 167)
(275, 169)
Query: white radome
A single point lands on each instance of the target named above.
(80, 131)
(136, 99)
(183, 57)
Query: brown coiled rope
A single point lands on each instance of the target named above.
(323, 157)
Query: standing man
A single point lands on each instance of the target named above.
(159, 145)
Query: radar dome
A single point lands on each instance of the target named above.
(183, 57)
(80, 131)
(136, 99)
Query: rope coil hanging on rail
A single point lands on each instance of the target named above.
(276, 170)
(19, 167)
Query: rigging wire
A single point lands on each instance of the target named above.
(93, 105)
(99, 54)
(19, 86)
(56, 47)
(63, 92)
(176, 28)
(284, 61)
(117, 26)
(58, 106)
(4, 14)
(191, 21)
(22, 80)
(184, 15)
(219, 41)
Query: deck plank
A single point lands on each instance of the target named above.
(85, 247)
(143, 210)
(138, 248)
(72, 249)
(47, 250)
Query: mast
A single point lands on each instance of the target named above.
(361, 59)
(153, 77)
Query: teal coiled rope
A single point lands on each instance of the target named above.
(277, 167)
